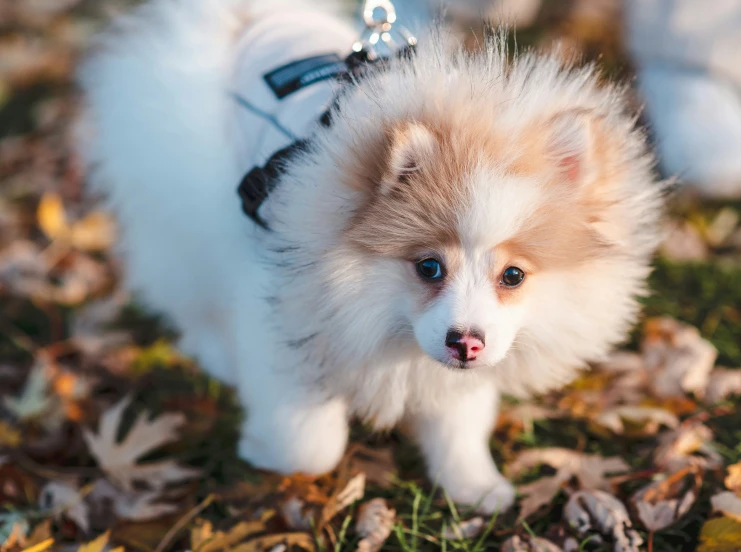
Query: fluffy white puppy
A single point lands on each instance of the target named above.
(466, 225)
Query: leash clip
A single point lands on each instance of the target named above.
(379, 17)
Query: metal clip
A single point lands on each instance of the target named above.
(379, 17)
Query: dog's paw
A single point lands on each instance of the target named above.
(499, 499)
(497, 495)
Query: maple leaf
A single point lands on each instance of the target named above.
(588, 469)
(646, 420)
(688, 445)
(662, 503)
(118, 460)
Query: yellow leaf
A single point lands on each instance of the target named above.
(97, 545)
(302, 540)
(208, 541)
(51, 216)
(9, 436)
(43, 545)
(95, 232)
(720, 535)
(40, 534)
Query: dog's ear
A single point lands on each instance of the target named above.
(411, 148)
(575, 144)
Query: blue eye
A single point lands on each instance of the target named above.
(430, 270)
(513, 276)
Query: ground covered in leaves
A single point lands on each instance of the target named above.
(110, 438)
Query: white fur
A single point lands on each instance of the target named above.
(308, 329)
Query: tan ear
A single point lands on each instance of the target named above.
(412, 146)
(573, 144)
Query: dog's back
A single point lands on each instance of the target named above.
(171, 141)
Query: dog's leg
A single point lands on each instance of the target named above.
(455, 442)
(290, 430)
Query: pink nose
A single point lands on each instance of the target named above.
(464, 345)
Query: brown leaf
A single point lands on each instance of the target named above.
(377, 464)
(723, 383)
(640, 420)
(688, 445)
(599, 511)
(661, 504)
(261, 544)
(733, 479)
(204, 539)
(374, 523)
(678, 360)
(118, 460)
(588, 469)
(354, 490)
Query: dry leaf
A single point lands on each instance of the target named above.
(374, 522)
(728, 504)
(377, 464)
(66, 499)
(662, 503)
(733, 479)
(528, 543)
(588, 469)
(268, 542)
(51, 216)
(296, 514)
(35, 401)
(465, 529)
(131, 505)
(354, 490)
(599, 511)
(10, 437)
(204, 539)
(41, 535)
(688, 445)
(118, 460)
(720, 535)
(723, 383)
(684, 242)
(678, 360)
(97, 545)
(41, 546)
(643, 420)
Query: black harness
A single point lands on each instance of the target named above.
(260, 181)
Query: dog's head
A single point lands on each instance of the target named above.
(490, 229)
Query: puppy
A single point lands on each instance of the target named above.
(454, 227)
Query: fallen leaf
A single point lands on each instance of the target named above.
(64, 498)
(662, 503)
(268, 542)
(684, 242)
(688, 445)
(642, 420)
(10, 437)
(733, 479)
(296, 514)
(377, 464)
(727, 503)
(96, 545)
(40, 547)
(723, 383)
(204, 539)
(129, 504)
(588, 469)
(35, 402)
(720, 535)
(41, 534)
(374, 523)
(51, 217)
(599, 511)
(467, 529)
(118, 460)
(354, 490)
(529, 544)
(677, 358)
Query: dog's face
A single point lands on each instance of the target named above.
(485, 228)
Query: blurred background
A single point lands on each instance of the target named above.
(73, 345)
